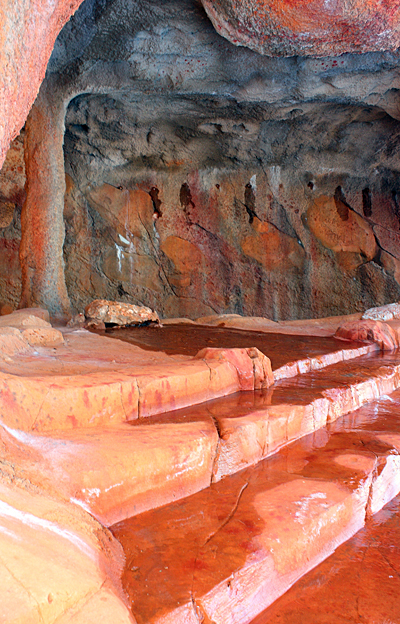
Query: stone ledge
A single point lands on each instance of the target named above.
(228, 552)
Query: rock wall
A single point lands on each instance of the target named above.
(203, 177)
(285, 218)
(27, 34)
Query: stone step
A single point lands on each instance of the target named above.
(93, 381)
(225, 554)
(359, 582)
(117, 472)
(259, 424)
(96, 381)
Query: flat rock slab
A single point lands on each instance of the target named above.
(96, 381)
(222, 554)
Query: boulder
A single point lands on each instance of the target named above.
(368, 330)
(27, 317)
(253, 367)
(383, 313)
(118, 313)
(43, 336)
(317, 28)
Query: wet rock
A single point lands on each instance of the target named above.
(369, 330)
(118, 313)
(253, 367)
(383, 313)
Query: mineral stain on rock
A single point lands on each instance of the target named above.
(367, 202)
(250, 202)
(185, 197)
(341, 205)
(154, 192)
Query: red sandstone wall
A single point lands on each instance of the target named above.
(28, 29)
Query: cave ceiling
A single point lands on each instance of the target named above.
(155, 83)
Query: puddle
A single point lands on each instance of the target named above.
(190, 339)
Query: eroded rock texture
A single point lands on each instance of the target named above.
(316, 28)
(202, 177)
(27, 34)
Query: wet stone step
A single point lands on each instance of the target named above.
(95, 381)
(225, 554)
(360, 582)
(253, 427)
(117, 472)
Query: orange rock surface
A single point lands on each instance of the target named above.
(368, 330)
(55, 560)
(27, 34)
(316, 28)
(359, 582)
(341, 229)
(121, 470)
(224, 552)
(272, 248)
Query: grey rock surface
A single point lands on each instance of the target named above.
(193, 167)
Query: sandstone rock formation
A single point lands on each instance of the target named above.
(383, 313)
(316, 28)
(369, 331)
(253, 367)
(22, 67)
(27, 328)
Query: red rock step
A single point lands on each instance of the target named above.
(93, 381)
(120, 471)
(259, 424)
(359, 582)
(226, 553)
(290, 355)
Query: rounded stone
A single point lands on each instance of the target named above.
(302, 28)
